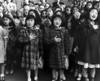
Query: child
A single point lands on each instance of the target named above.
(89, 47)
(9, 25)
(3, 46)
(59, 48)
(33, 51)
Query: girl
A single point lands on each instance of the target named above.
(33, 50)
(89, 47)
(9, 25)
(59, 48)
(3, 46)
(49, 13)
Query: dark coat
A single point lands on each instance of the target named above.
(88, 43)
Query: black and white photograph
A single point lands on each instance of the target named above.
(49, 40)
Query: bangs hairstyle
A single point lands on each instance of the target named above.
(7, 16)
(30, 17)
(11, 23)
(37, 16)
(57, 16)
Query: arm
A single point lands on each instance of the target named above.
(40, 43)
(23, 35)
(67, 43)
(5, 38)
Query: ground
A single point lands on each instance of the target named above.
(20, 75)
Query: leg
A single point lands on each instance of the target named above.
(85, 74)
(36, 74)
(28, 75)
(79, 72)
(62, 76)
(54, 74)
(92, 74)
(2, 76)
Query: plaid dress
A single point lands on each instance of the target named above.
(58, 51)
(33, 48)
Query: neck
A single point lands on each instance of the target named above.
(57, 27)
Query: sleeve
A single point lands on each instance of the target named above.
(5, 34)
(50, 38)
(67, 43)
(40, 43)
(23, 35)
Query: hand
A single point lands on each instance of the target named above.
(57, 39)
(32, 36)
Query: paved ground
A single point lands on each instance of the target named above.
(20, 75)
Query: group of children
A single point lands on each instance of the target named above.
(40, 34)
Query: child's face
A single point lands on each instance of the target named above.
(50, 12)
(77, 15)
(68, 11)
(93, 14)
(19, 13)
(26, 10)
(96, 6)
(57, 22)
(47, 6)
(32, 13)
(30, 23)
(41, 8)
(75, 9)
(89, 5)
(44, 14)
(6, 21)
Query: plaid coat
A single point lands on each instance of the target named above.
(33, 48)
(58, 51)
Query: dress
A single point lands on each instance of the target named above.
(3, 34)
(58, 51)
(88, 40)
(32, 49)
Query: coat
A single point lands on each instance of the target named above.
(88, 41)
(58, 51)
(33, 49)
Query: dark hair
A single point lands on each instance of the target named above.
(29, 17)
(87, 4)
(37, 16)
(42, 12)
(7, 16)
(11, 23)
(58, 11)
(88, 14)
(56, 16)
